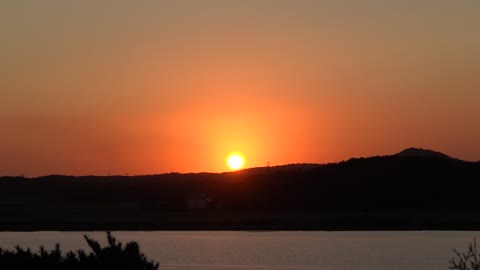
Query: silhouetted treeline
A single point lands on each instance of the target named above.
(388, 185)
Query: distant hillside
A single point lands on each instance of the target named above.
(400, 191)
(407, 153)
(419, 152)
(283, 168)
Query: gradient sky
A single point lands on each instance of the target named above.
(142, 87)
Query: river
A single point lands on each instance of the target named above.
(199, 250)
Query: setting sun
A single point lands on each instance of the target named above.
(235, 161)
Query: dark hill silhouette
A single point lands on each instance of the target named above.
(282, 168)
(399, 191)
(419, 152)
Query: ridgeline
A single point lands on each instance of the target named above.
(415, 189)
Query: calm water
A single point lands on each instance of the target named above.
(274, 250)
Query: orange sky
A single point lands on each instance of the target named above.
(157, 86)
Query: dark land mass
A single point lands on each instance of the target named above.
(415, 189)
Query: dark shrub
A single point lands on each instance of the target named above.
(114, 256)
(468, 260)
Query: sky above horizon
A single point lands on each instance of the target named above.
(144, 87)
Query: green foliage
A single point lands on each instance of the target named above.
(114, 256)
(469, 260)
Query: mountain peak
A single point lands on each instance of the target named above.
(419, 152)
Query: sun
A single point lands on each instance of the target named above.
(235, 161)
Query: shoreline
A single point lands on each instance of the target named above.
(240, 228)
(84, 220)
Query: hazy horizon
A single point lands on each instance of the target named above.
(150, 87)
(108, 173)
